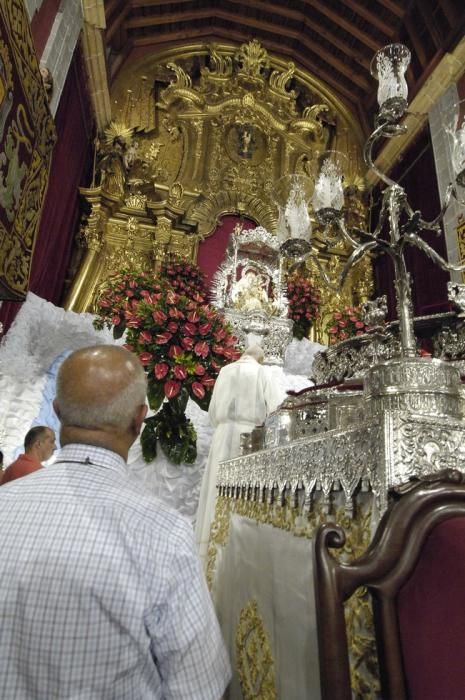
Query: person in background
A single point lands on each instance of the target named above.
(39, 445)
(243, 396)
(102, 594)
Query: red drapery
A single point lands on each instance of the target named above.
(71, 157)
(213, 249)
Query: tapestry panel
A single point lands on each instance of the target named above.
(27, 135)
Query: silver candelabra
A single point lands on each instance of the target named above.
(402, 224)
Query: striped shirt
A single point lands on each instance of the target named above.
(101, 593)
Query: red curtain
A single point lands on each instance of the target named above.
(213, 249)
(72, 157)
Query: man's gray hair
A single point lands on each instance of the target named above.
(256, 352)
(116, 411)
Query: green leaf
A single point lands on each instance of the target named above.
(179, 402)
(155, 394)
(148, 440)
(119, 330)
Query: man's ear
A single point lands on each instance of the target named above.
(56, 409)
(139, 418)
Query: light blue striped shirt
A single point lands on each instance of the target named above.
(101, 592)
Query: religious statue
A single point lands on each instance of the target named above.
(250, 293)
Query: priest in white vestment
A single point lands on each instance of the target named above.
(243, 396)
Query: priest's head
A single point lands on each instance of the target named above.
(256, 352)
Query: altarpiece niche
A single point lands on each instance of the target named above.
(200, 132)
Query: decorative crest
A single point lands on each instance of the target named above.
(253, 59)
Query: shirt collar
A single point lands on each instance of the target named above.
(92, 455)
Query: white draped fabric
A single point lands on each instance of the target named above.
(272, 568)
(30, 354)
(243, 396)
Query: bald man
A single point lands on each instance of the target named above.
(39, 445)
(102, 596)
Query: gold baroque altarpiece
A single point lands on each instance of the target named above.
(200, 132)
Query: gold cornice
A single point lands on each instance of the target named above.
(449, 70)
(186, 51)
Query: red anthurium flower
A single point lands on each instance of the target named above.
(175, 351)
(104, 303)
(180, 372)
(171, 388)
(115, 320)
(132, 322)
(230, 340)
(198, 390)
(129, 293)
(175, 313)
(204, 328)
(159, 317)
(163, 338)
(172, 326)
(172, 298)
(208, 381)
(187, 342)
(145, 337)
(201, 348)
(193, 317)
(229, 353)
(132, 284)
(218, 349)
(144, 293)
(160, 370)
(145, 357)
(199, 370)
(189, 328)
(220, 334)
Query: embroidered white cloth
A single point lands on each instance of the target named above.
(101, 592)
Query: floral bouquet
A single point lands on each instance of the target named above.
(185, 278)
(182, 344)
(304, 304)
(345, 324)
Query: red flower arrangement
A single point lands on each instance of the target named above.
(304, 304)
(185, 279)
(182, 344)
(345, 324)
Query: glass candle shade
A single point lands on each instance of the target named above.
(388, 67)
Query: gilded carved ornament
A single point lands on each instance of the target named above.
(192, 146)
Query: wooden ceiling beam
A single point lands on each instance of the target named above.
(215, 33)
(321, 7)
(312, 25)
(417, 44)
(369, 16)
(319, 52)
(392, 6)
(117, 23)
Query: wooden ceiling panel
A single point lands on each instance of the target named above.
(332, 39)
